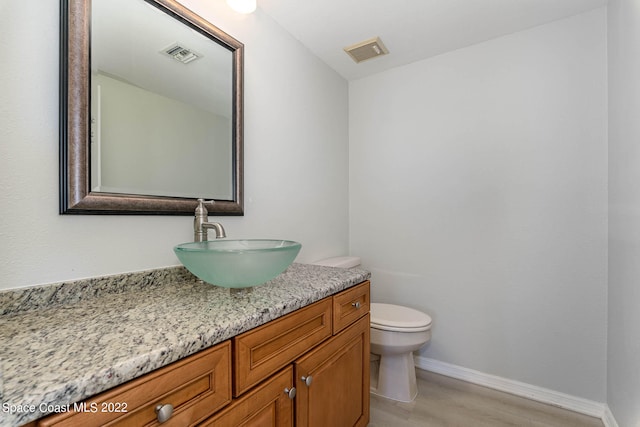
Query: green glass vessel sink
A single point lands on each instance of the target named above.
(237, 263)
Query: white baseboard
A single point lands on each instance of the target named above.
(539, 394)
(608, 419)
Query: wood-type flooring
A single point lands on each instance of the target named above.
(447, 402)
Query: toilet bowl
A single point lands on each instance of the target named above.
(396, 332)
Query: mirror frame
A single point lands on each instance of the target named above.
(75, 49)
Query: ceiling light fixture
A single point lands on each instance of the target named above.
(242, 6)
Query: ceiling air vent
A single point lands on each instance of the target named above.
(366, 50)
(181, 53)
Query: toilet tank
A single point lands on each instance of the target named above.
(341, 262)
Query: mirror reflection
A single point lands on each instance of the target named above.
(151, 109)
(161, 105)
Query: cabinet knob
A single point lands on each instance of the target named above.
(356, 304)
(290, 392)
(307, 380)
(164, 412)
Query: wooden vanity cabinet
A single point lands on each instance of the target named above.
(328, 345)
(321, 351)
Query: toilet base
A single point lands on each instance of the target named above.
(396, 377)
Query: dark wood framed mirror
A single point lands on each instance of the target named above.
(151, 110)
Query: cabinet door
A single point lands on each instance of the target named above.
(266, 405)
(337, 393)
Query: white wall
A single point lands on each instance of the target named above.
(296, 130)
(478, 194)
(623, 361)
(140, 156)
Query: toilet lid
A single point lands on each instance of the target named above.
(390, 317)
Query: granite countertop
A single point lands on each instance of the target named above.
(64, 343)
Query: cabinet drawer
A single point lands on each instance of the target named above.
(195, 386)
(265, 405)
(264, 350)
(350, 305)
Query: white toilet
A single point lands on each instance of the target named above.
(396, 332)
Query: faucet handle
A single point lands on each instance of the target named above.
(201, 209)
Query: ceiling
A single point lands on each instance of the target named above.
(127, 41)
(412, 30)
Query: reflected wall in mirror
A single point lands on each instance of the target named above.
(151, 110)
